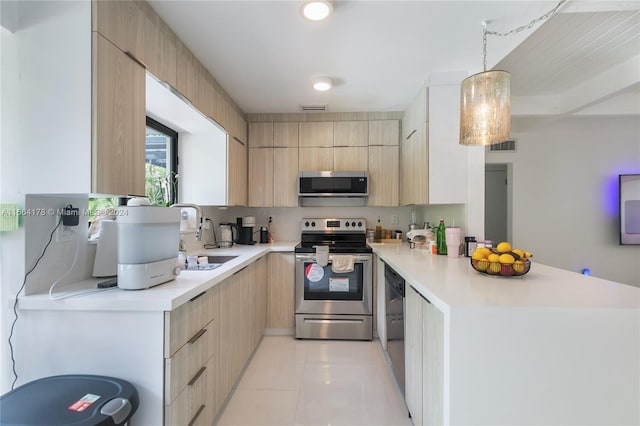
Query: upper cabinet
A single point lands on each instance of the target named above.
(433, 164)
(384, 132)
(316, 134)
(135, 28)
(278, 150)
(135, 31)
(351, 133)
(118, 121)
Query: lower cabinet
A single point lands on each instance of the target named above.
(424, 360)
(281, 291)
(208, 341)
(243, 318)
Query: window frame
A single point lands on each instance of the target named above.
(174, 161)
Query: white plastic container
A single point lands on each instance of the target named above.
(148, 241)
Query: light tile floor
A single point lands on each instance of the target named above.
(316, 382)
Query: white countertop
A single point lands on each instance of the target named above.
(450, 282)
(164, 297)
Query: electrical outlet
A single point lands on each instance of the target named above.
(64, 233)
(395, 220)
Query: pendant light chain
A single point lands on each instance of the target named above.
(529, 25)
(485, 31)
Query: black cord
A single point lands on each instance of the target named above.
(15, 303)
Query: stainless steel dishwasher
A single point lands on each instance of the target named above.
(394, 304)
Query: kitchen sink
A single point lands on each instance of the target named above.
(214, 262)
(218, 259)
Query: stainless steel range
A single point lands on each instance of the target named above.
(334, 290)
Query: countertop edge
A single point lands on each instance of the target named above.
(451, 283)
(164, 297)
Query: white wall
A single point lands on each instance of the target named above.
(45, 120)
(565, 206)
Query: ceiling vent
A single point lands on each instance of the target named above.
(313, 108)
(506, 146)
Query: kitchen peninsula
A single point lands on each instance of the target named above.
(551, 347)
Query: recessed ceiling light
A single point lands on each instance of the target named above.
(322, 84)
(316, 10)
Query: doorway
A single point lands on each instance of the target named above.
(497, 202)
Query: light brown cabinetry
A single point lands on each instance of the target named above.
(135, 28)
(191, 338)
(118, 121)
(243, 313)
(424, 359)
(261, 135)
(281, 291)
(236, 173)
(261, 177)
(316, 134)
(414, 160)
(350, 133)
(285, 135)
(315, 159)
(187, 77)
(273, 164)
(285, 173)
(384, 175)
(384, 132)
(350, 158)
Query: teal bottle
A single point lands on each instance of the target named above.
(441, 238)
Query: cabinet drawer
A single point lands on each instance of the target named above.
(195, 404)
(185, 365)
(181, 324)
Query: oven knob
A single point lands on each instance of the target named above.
(359, 224)
(313, 224)
(306, 224)
(346, 224)
(353, 224)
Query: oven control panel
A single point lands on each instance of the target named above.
(348, 224)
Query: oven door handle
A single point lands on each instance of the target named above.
(312, 258)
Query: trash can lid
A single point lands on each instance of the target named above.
(69, 400)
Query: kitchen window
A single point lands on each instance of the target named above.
(161, 164)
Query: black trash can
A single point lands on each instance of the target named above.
(82, 400)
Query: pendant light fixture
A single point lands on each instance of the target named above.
(485, 98)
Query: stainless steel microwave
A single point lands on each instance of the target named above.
(333, 184)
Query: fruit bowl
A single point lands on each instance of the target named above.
(515, 269)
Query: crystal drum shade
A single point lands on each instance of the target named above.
(485, 108)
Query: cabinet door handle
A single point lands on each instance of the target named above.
(196, 297)
(239, 141)
(411, 134)
(197, 376)
(197, 336)
(195, 417)
(136, 60)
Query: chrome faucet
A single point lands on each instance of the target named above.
(199, 217)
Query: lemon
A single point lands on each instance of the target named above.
(482, 265)
(481, 253)
(506, 259)
(477, 255)
(503, 247)
(494, 268)
(493, 257)
(518, 266)
(519, 252)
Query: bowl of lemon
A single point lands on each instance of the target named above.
(501, 261)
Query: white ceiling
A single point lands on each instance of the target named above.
(378, 53)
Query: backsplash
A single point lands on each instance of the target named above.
(59, 256)
(286, 222)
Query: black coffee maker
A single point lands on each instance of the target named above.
(245, 230)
